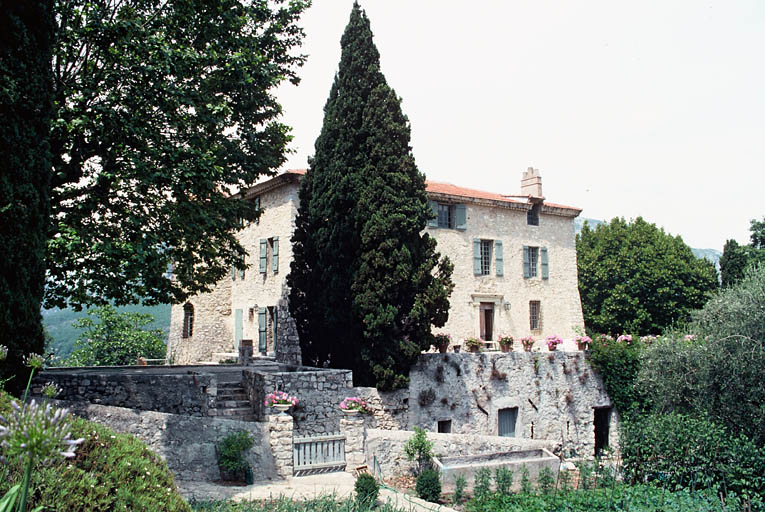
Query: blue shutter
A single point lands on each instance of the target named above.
(498, 263)
(545, 266)
(263, 253)
(275, 256)
(262, 330)
(238, 328)
(461, 214)
(477, 256)
(526, 269)
(433, 223)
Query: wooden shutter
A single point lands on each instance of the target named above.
(275, 255)
(275, 321)
(545, 266)
(498, 263)
(526, 264)
(262, 330)
(238, 328)
(477, 256)
(461, 214)
(263, 254)
(433, 223)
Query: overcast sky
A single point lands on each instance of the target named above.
(652, 109)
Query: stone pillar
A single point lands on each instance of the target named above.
(280, 439)
(355, 441)
(245, 352)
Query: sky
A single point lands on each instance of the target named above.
(651, 108)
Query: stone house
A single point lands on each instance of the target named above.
(514, 272)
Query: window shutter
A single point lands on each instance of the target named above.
(263, 252)
(461, 214)
(526, 270)
(233, 273)
(498, 263)
(241, 272)
(238, 327)
(257, 207)
(477, 256)
(275, 322)
(433, 223)
(262, 330)
(275, 256)
(545, 267)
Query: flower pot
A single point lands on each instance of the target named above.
(506, 348)
(583, 346)
(527, 348)
(282, 408)
(552, 348)
(443, 348)
(351, 412)
(474, 349)
(456, 348)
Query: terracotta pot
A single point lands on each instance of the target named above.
(474, 349)
(552, 348)
(443, 348)
(456, 348)
(527, 348)
(506, 348)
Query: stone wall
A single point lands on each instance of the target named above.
(191, 394)
(187, 443)
(555, 393)
(387, 447)
(510, 293)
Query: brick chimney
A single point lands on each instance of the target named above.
(531, 183)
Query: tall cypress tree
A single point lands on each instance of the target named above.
(366, 284)
(26, 36)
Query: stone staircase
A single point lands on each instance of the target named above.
(232, 402)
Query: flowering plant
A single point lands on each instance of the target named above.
(583, 342)
(442, 340)
(648, 339)
(354, 403)
(505, 340)
(553, 341)
(473, 343)
(3, 352)
(527, 342)
(280, 397)
(689, 338)
(605, 339)
(627, 338)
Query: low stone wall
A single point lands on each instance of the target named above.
(190, 393)
(387, 446)
(188, 443)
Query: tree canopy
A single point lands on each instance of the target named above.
(634, 277)
(160, 110)
(366, 283)
(736, 258)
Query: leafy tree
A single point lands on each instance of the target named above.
(160, 109)
(732, 262)
(757, 235)
(116, 339)
(366, 284)
(634, 277)
(26, 37)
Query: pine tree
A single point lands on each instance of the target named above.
(366, 284)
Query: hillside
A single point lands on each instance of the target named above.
(58, 324)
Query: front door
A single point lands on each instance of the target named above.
(487, 321)
(602, 419)
(506, 419)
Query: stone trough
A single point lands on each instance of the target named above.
(468, 466)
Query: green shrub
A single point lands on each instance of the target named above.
(618, 364)
(419, 449)
(110, 472)
(366, 488)
(503, 479)
(546, 481)
(681, 451)
(231, 453)
(428, 485)
(327, 503)
(526, 486)
(459, 489)
(482, 484)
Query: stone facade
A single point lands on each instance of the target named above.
(554, 394)
(249, 304)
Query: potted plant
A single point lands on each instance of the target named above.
(505, 342)
(473, 344)
(527, 342)
(552, 342)
(353, 405)
(280, 401)
(583, 342)
(442, 342)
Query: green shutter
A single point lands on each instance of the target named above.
(461, 214)
(433, 223)
(233, 273)
(275, 323)
(526, 269)
(262, 330)
(263, 252)
(545, 266)
(498, 263)
(477, 256)
(275, 256)
(238, 328)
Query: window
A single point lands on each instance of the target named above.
(483, 250)
(506, 420)
(535, 315)
(188, 320)
(532, 216)
(447, 215)
(445, 427)
(531, 262)
(486, 257)
(269, 250)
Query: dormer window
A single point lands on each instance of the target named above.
(448, 215)
(532, 216)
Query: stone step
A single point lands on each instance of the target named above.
(230, 385)
(224, 356)
(235, 411)
(223, 397)
(231, 404)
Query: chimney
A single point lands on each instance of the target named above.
(531, 183)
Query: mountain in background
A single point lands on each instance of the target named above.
(712, 255)
(59, 324)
